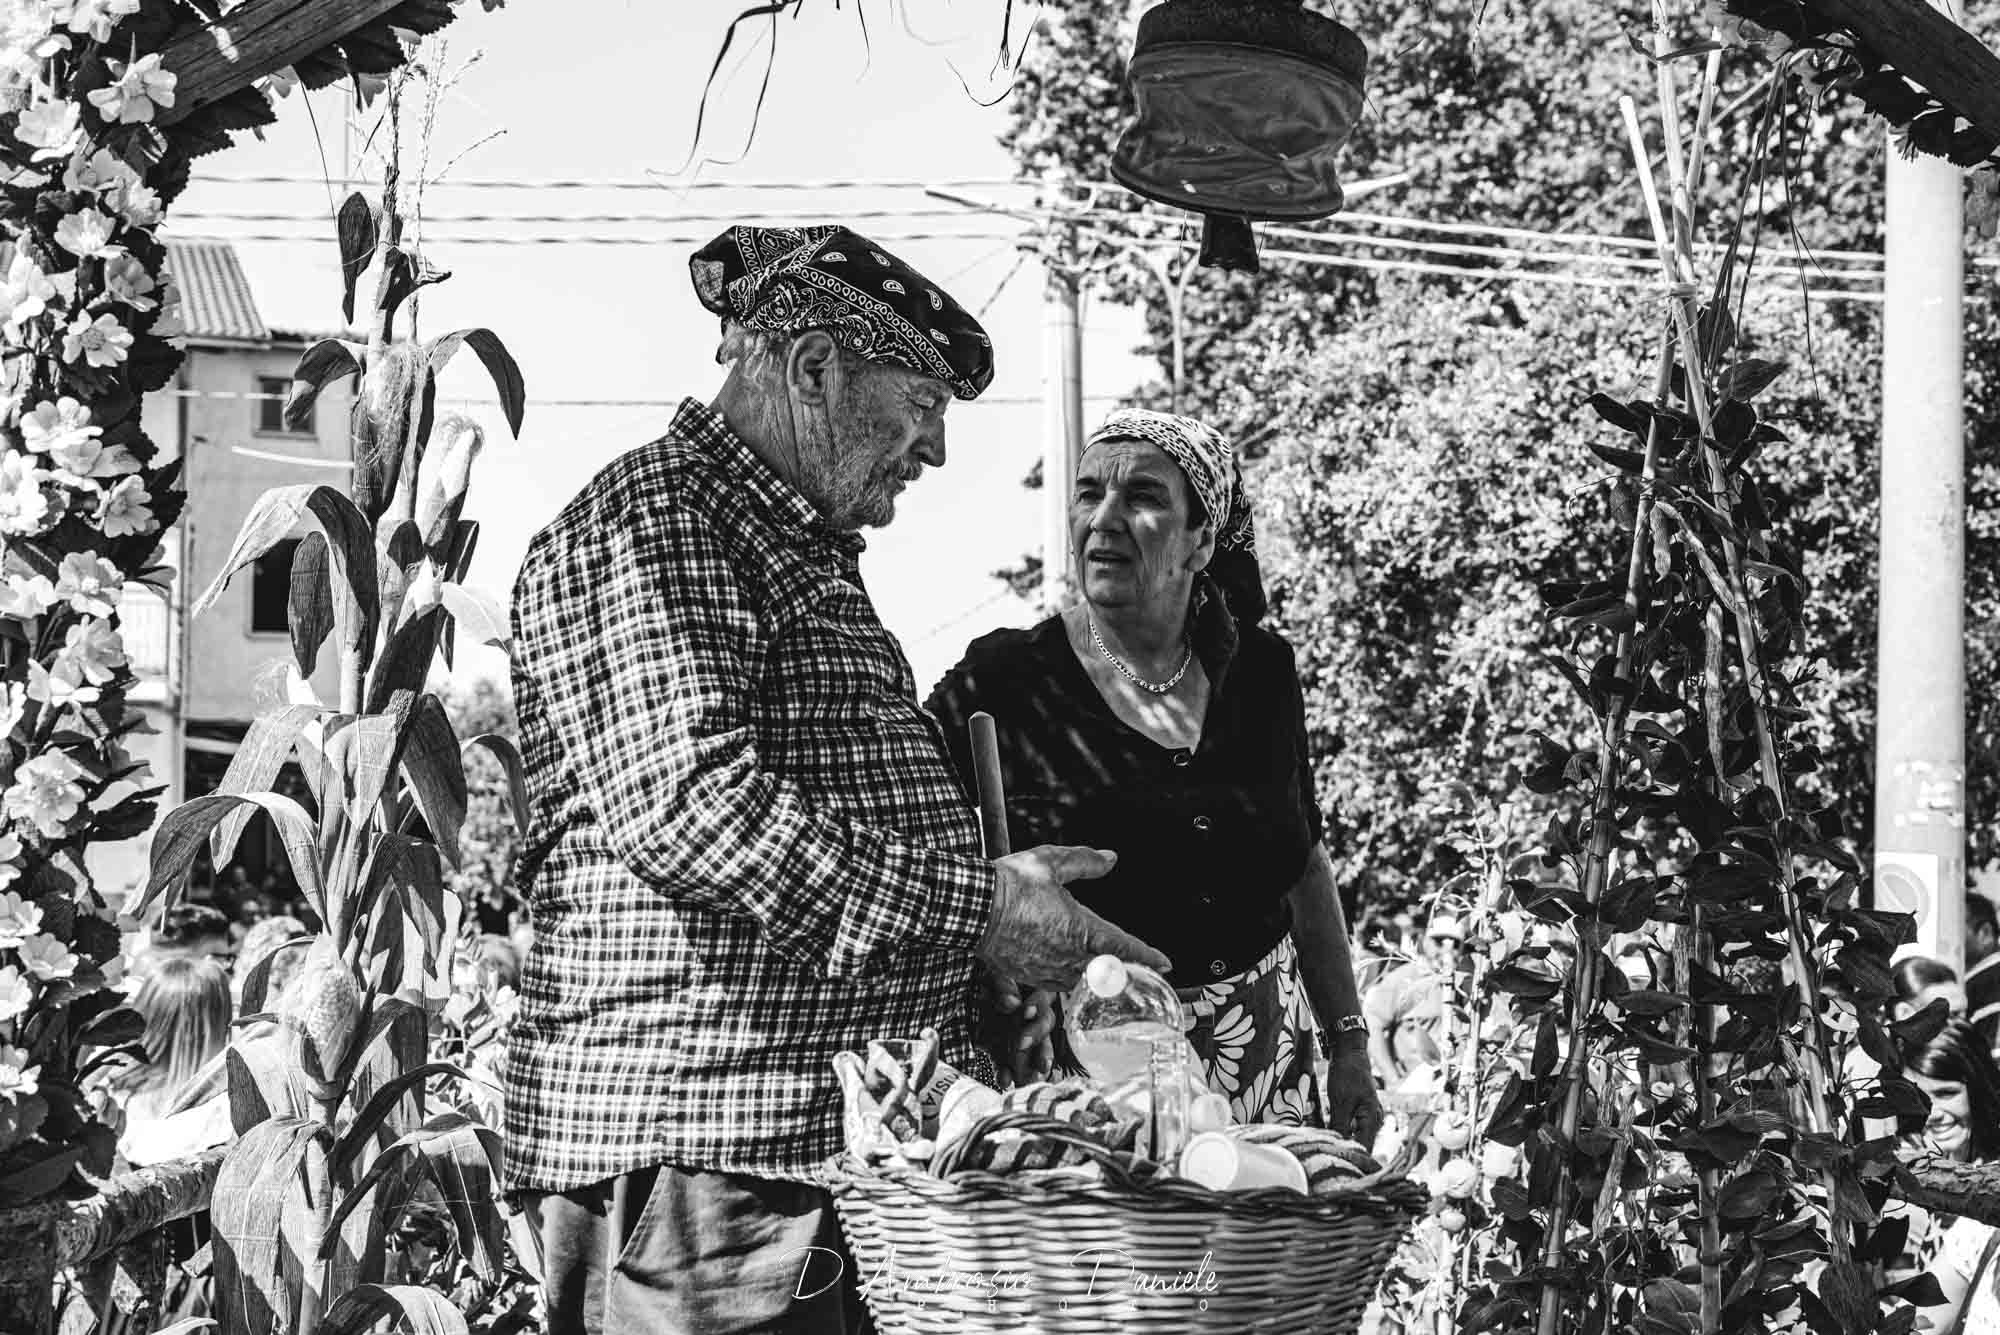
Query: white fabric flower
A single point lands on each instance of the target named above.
(53, 426)
(10, 846)
(101, 342)
(129, 282)
(96, 648)
(59, 687)
(96, 17)
(88, 583)
(26, 292)
(24, 507)
(86, 234)
(16, 994)
(126, 509)
(53, 129)
(140, 87)
(26, 595)
(79, 466)
(97, 173)
(45, 792)
(17, 1078)
(19, 919)
(47, 958)
(137, 203)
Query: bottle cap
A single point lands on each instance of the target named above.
(1105, 976)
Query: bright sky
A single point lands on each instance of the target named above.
(597, 90)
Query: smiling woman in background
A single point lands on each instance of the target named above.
(1157, 717)
(1957, 1074)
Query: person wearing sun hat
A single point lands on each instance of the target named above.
(747, 851)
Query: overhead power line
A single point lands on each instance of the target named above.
(542, 219)
(652, 184)
(261, 238)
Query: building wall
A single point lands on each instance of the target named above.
(225, 660)
(209, 668)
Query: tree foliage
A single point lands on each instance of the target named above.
(1424, 460)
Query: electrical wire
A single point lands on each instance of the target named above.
(659, 185)
(269, 238)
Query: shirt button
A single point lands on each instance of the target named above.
(1217, 967)
(1181, 758)
(1201, 825)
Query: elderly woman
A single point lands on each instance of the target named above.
(1158, 719)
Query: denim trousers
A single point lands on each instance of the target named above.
(680, 1251)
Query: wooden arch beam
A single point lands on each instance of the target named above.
(251, 41)
(1929, 49)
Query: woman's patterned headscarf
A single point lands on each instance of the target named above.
(1216, 475)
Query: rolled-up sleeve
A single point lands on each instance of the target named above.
(653, 677)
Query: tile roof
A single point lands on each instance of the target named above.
(215, 296)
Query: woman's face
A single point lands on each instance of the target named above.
(1948, 1131)
(1129, 530)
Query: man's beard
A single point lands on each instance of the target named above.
(847, 476)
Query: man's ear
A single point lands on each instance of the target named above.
(810, 365)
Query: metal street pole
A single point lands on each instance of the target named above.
(1920, 683)
(1062, 430)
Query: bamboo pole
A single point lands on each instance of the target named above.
(1676, 267)
(1604, 830)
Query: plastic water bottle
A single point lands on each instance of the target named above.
(1124, 1022)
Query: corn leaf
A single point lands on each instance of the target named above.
(413, 922)
(436, 774)
(365, 753)
(254, 768)
(265, 1178)
(480, 616)
(462, 1157)
(406, 663)
(188, 825)
(358, 234)
(264, 1079)
(257, 982)
(416, 1309)
(310, 612)
(324, 362)
(353, 584)
(500, 365)
(509, 756)
(380, 1104)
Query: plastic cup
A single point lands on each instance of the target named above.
(1222, 1163)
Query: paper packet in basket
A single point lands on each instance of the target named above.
(892, 1097)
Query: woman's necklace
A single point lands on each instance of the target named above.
(1125, 669)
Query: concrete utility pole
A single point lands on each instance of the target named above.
(1920, 682)
(1062, 430)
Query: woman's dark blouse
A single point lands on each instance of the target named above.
(1210, 843)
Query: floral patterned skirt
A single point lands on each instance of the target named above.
(1258, 1041)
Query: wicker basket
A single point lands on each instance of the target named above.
(963, 1253)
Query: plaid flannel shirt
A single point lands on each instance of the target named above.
(748, 848)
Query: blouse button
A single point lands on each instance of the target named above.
(1216, 967)
(1181, 758)
(1201, 825)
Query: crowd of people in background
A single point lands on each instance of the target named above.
(1409, 969)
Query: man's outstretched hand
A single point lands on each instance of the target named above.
(1039, 936)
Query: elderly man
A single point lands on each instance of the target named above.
(749, 850)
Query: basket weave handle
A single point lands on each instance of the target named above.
(1117, 1168)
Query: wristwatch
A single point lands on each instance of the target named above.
(1346, 1024)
